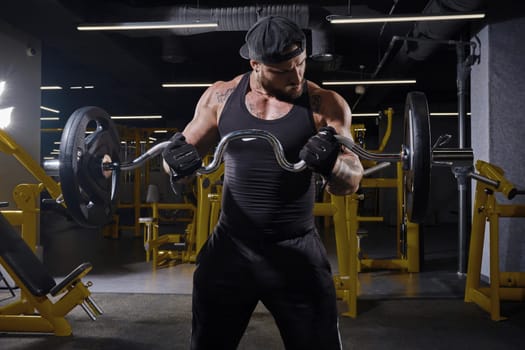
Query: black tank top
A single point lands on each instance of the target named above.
(259, 197)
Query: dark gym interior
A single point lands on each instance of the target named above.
(455, 280)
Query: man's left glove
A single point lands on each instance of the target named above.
(182, 157)
(321, 151)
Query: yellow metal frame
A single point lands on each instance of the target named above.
(408, 260)
(140, 178)
(40, 314)
(153, 241)
(9, 146)
(346, 281)
(503, 285)
(208, 205)
(31, 313)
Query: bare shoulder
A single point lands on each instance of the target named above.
(218, 93)
(329, 107)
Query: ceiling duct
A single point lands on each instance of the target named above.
(437, 30)
(242, 18)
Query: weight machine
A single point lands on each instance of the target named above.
(34, 310)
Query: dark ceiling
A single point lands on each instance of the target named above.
(128, 68)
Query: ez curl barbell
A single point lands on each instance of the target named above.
(89, 163)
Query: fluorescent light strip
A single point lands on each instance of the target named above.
(136, 117)
(444, 114)
(145, 26)
(79, 87)
(334, 19)
(160, 131)
(49, 109)
(365, 114)
(182, 85)
(51, 87)
(49, 118)
(2, 87)
(369, 82)
(433, 114)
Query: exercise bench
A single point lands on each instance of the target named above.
(43, 304)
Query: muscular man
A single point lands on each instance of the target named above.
(265, 246)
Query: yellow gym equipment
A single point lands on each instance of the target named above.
(407, 233)
(154, 242)
(34, 311)
(503, 285)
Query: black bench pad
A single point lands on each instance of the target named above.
(21, 259)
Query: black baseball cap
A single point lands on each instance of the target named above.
(269, 37)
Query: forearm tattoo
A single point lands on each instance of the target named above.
(346, 176)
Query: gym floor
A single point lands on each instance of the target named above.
(146, 308)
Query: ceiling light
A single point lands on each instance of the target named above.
(376, 114)
(49, 118)
(51, 87)
(160, 131)
(75, 87)
(49, 109)
(2, 87)
(145, 25)
(182, 85)
(136, 117)
(445, 114)
(369, 82)
(336, 19)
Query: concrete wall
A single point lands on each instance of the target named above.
(22, 73)
(498, 102)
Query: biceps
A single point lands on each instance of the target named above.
(202, 133)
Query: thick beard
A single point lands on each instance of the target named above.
(280, 94)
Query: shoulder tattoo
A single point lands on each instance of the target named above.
(315, 103)
(223, 95)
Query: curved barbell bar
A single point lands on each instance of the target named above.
(274, 142)
(154, 151)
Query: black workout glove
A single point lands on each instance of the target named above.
(182, 158)
(321, 151)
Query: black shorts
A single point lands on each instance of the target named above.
(292, 278)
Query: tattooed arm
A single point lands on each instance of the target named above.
(329, 108)
(202, 130)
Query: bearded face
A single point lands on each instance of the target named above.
(284, 80)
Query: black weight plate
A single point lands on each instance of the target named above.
(89, 193)
(417, 153)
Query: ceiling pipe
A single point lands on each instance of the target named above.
(242, 18)
(398, 63)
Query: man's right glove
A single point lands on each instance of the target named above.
(321, 151)
(182, 157)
